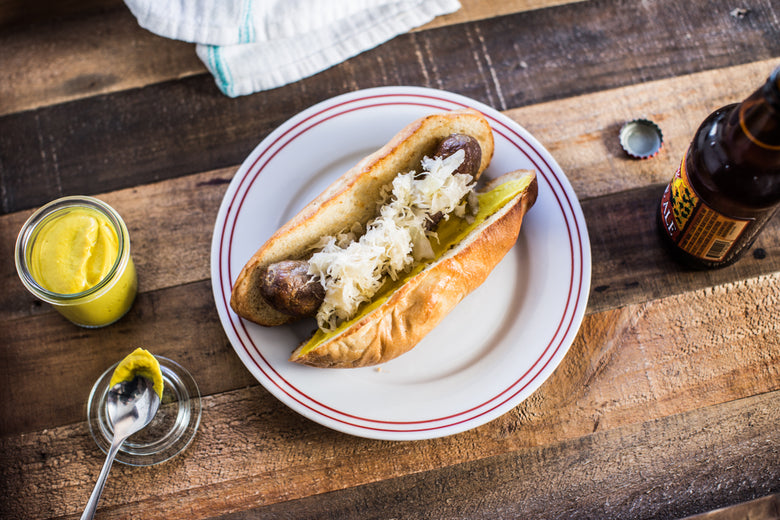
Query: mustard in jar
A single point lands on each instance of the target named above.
(74, 253)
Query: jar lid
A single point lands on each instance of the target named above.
(641, 138)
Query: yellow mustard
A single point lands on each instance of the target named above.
(75, 254)
(139, 363)
(74, 251)
(450, 233)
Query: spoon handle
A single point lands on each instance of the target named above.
(89, 511)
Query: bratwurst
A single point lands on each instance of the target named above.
(287, 285)
(289, 288)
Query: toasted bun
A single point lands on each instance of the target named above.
(352, 198)
(421, 303)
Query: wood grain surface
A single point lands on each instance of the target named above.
(125, 139)
(666, 405)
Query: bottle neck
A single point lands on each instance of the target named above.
(757, 119)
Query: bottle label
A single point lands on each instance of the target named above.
(695, 227)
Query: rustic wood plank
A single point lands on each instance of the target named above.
(14, 12)
(95, 53)
(627, 366)
(472, 10)
(643, 471)
(179, 323)
(632, 265)
(527, 60)
(112, 53)
(170, 225)
(582, 132)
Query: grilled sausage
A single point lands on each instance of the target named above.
(288, 287)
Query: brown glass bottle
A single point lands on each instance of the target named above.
(728, 183)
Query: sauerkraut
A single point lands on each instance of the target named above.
(352, 266)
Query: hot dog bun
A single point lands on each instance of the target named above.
(351, 198)
(415, 308)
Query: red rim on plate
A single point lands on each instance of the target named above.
(552, 183)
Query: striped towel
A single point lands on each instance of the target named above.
(255, 45)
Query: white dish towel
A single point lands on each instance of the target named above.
(254, 45)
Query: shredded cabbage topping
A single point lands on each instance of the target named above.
(352, 269)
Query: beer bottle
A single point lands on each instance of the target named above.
(728, 184)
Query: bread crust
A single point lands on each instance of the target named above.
(422, 302)
(353, 197)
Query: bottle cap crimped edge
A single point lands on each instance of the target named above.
(641, 138)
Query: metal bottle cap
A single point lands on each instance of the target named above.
(641, 138)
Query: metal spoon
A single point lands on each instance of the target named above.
(131, 406)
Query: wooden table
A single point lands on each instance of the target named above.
(667, 404)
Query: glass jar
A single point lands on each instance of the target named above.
(53, 237)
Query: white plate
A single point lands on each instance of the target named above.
(488, 355)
